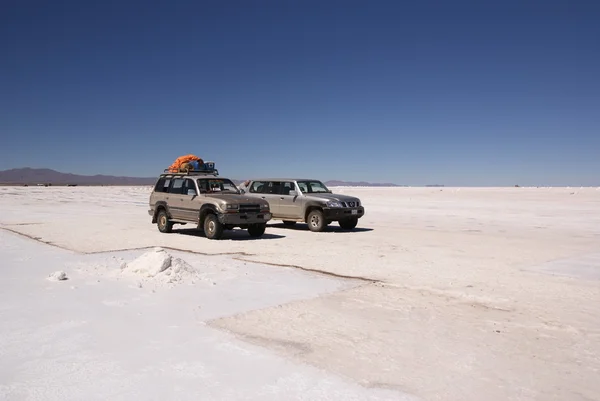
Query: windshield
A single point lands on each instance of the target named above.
(216, 185)
(314, 187)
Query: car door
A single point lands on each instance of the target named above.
(175, 199)
(290, 205)
(269, 191)
(189, 206)
(256, 189)
(272, 195)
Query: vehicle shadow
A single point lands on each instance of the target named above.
(234, 235)
(332, 228)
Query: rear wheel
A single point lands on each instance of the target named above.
(316, 221)
(213, 229)
(162, 221)
(256, 230)
(289, 223)
(348, 224)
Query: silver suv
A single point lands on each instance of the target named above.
(305, 200)
(213, 203)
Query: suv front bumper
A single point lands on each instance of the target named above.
(244, 218)
(341, 213)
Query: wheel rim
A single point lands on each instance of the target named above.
(315, 221)
(211, 227)
(163, 221)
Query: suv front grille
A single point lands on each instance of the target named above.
(249, 208)
(351, 204)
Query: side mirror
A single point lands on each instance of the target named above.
(293, 193)
(242, 191)
(192, 192)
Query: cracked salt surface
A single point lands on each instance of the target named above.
(104, 337)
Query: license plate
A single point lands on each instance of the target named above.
(355, 212)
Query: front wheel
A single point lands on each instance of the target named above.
(256, 230)
(213, 229)
(348, 224)
(316, 221)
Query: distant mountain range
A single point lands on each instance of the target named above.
(34, 176)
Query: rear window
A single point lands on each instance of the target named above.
(162, 185)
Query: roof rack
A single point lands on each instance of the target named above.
(213, 171)
(206, 168)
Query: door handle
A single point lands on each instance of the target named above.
(282, 198)
(264, 197)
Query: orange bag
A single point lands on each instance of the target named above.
(180, 163)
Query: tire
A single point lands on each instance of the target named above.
(163, 223)
(213, 229)
(348, 224)
(256, 230)
(316, 221)
(289, 223)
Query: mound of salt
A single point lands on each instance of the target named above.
(159, 266)
(150, 263)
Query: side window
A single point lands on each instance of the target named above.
(177, 186)
(303, 187)
(258, 187)
(274, 188)
(189, 188)
(287, 187)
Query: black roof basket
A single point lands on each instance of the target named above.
(213, 172)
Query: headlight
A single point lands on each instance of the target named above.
(233, 207)
(334, 204)
(265, 207)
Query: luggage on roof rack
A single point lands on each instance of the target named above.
(191, 164)
(184, 163)
(191, 167)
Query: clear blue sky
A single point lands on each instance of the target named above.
(419, 92)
